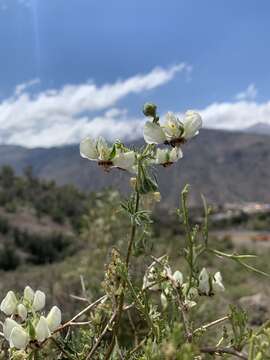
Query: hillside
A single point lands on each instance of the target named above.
(225, 166)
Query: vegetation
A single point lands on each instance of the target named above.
(161, 296)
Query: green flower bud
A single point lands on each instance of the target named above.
(150, 109)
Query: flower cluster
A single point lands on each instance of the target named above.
(159, 277)
(25, 323)
(209, 284)
(173, 132)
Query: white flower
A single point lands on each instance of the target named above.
(54, 318)
(9, 304)
(39, 300)
(172, 127)
(103, 149)
(149, 279)
(42, 329)
(192, 124)
(8, 326)
(178, 277)
(95, 149)
(217, 282)
(22, 311)
(164, 301)
(167, 156)
(88, 149)
(99, 150)
(125, 160)
(153, 133)
(204, 282)
(18, 338)
(189, 303)
(28, 294)
(173, 131)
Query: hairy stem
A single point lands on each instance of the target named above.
(122, 296)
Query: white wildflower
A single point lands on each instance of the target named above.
(8, 326)
(28, 294)
(173, 131)
(167, 157)
(9, 304)
(54, 318)
(204, 282)
(19, 338)
(39, 300)
(178, 277)
(217, 282)
(42, 330)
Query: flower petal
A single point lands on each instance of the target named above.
(9, 303)
(54, 318)
(22, 311)
(8, 326)
(103, 149)
(153, 133)
(204, 282)
(18, 338)
(39, 300)
(28, 294)
(42, 329)
(178, 277)
(162, 156)
(173, 128)
(88, 149)
(125, 160)
(217, 282)
(192, 124)
(176, 154)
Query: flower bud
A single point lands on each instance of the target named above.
(22, 311)
(204, 282)
(150, 109)
(9, 304)
(157, 196)
(28, 294)
(54, 318)
(164, 301)
(39, 300)
(133, 182)
(178, 277)
(18, 338)
(42, 330)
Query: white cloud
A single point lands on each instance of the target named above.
(235, 115)
(56, 117)
(24, 86)
(249, 94)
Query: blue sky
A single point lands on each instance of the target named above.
(211, 55)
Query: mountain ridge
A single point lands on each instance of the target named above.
(225, 166)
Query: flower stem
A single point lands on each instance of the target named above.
(122, 296)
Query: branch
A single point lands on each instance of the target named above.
(227, 350)
(94, 348)
(88, 308)
(213, 323)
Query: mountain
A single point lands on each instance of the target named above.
(259, 128)
(224, 166)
